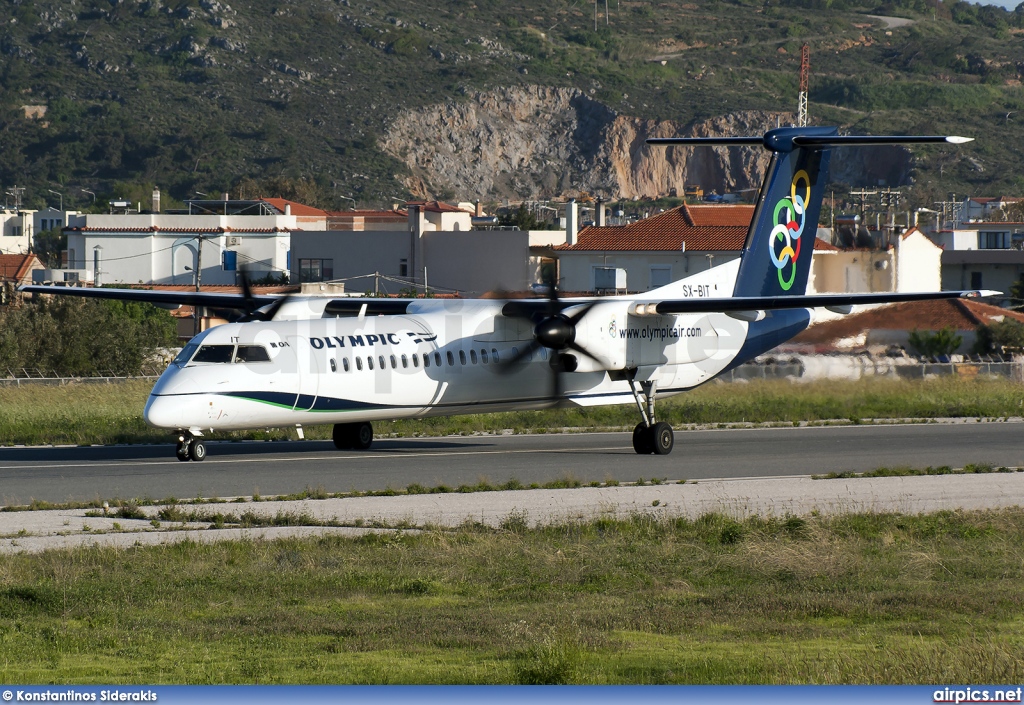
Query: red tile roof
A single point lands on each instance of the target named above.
(960, 314)
(700, 227)
(436, 207)
(18, 268)
(297, 208)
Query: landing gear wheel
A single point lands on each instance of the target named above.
(181, 451)
(198, 451)
(661, 438)
(642, 440)
(363, 436)
(342, 436)
(348, 436)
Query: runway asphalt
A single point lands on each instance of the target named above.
(273, 468)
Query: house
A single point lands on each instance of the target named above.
(208, 240)
(17, 269)
(912, 262)
(690, 238)
(16, 231)
(431, 245)
(654, 251)
(986, 208)
(982, 255)
(891, 325)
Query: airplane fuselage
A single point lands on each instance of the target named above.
(440, 358)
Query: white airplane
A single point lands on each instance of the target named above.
(306, 360)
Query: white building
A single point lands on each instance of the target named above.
(430, 244)
(214, 238)
(982, 255)
(912, 263)
(16, 231)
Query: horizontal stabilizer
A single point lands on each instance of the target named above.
(871, 140)
(769, 303)
(788, 140)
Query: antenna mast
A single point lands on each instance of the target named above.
(805, 71)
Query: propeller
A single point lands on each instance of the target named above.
(253, 310)
(553, 330)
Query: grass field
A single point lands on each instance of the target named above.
(85, 414)
(861, 598)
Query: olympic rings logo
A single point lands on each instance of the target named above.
(789, 224)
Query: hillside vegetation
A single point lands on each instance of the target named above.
(291, 98)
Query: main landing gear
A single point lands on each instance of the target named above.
(190, 448)
(650, 436)
(353, 436)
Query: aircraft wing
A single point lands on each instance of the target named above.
(836, 302)
(156, 296)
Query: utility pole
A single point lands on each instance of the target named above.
(16, 192)
(805, 76)
(890, 200)
(197, 311)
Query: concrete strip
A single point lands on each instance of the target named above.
(778, 496)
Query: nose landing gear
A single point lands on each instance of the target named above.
(190, 448)
(650, 436)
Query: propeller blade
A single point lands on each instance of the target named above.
(576, 317)
(583, 351)
(269, 314)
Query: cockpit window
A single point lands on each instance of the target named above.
(186, 353)
(251, 353)
(214, 353)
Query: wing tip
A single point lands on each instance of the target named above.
(955, 139)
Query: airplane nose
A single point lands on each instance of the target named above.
(162, 412)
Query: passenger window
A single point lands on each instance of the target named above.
(214, 353)
(359, 364)
(451, 358)
(251, 353)
(437, 359)
(515, 352)
(426, 360)
(405, 362)
(462, 356)
(344, 363)
(334, 365)
(383, 365)
(416, 360)
(494, 354)
(472, 356)
(483, 356)
(394, 363)
(369, 363)
(543, 353)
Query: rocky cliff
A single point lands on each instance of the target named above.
(539, 142)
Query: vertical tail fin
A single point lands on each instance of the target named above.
(776, 258)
